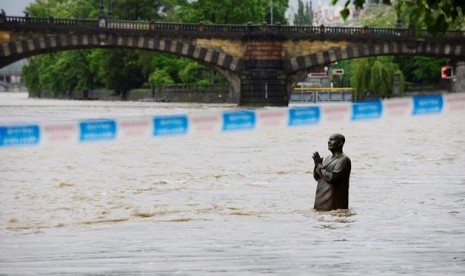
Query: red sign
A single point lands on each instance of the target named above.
(446, 72)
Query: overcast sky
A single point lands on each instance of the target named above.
(14, 7)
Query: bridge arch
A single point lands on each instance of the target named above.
(227, 65)
(17, 50)
(297, 64)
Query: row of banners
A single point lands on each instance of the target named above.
(83, 131)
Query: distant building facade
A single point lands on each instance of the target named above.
(10, 77)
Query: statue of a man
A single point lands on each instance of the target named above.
(332, 174)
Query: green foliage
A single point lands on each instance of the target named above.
(160, 77)
(96, 65)
(60, 73)
(120, 9)
(380, 17)
(304, 16)
(145, 10)
(31, 75)
(189, 73)
(232, 11)
(373, 76)
(64, 8)
(420, 69)
(380, 77)
(343, 80)
(123, 71)
(434, 15)
(360, 77)
(171, 64)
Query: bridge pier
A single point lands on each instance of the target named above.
(263, 80)
(458, 84)
(264, 87)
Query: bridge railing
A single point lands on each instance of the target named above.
(48, 21)
(292, 31)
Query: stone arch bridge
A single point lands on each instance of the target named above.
(261, 62)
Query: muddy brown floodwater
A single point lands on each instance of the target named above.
(231, 204)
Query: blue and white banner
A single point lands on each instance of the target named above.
(170, 125)
(367, 110)
(239, 120)
(21, 135)
(427, 104)
(207, 123)
(304, 116)
(97, 130)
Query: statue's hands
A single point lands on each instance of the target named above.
(317, 158)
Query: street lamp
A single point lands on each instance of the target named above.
(110, 13)
(271, 13)
(101, 17)
(102, 10)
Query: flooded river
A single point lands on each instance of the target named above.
(230, 204)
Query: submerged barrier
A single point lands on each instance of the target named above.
(86, 131)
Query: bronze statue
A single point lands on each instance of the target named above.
(332, 174)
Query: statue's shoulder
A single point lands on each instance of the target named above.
(345, 157)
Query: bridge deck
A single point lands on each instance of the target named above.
(222, 30)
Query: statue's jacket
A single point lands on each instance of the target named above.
(332, 191)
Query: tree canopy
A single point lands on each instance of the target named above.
(232, 11)
(304, 16)
(435, 15)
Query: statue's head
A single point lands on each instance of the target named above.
(336, 142)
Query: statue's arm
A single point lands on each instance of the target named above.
(316, 174)
(340, 171)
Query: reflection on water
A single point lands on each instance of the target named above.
(235, 204)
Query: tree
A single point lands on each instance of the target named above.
(276, 11)
(304, 16)
(434, 15)
(145, 10)
(379, 16)
(60, 73)
(373, 77)
(232, 11)
(159, 78)
(31, 74)
(64, 8)
(420, 69)
(123, 72)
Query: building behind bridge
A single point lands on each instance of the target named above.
(10, 77)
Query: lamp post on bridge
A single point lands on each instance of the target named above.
(110, 13)
(102, 10)
(271, 13)
(102, 17)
